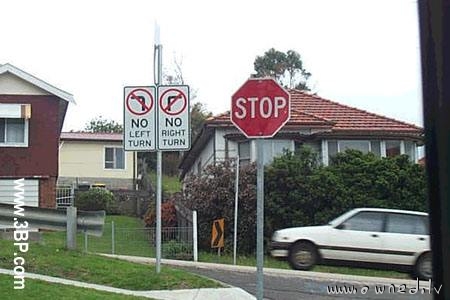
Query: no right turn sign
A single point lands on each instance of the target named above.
(174, 131)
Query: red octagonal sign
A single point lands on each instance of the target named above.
(260, 108)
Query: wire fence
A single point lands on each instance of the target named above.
(176, 242)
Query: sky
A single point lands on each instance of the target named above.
(362, 53)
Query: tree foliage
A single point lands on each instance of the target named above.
(287, 68)
(198, 118)
(101, 125)
(300, 192)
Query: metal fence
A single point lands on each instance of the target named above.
(64, 196)
(176, 242)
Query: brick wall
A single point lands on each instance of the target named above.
(47, 192)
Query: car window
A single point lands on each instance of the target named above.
(409, 224)
(365, 221)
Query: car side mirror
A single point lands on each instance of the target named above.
(341, 226)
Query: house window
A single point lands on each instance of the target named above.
(393, 148)
(114, 158)
(244, 153)
(363, 146)
(410, 150)
(13, 132)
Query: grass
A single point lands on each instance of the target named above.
(49, 257)
(270, 262)
(41, 290)
(170, 184)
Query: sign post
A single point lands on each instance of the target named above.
(259, 109)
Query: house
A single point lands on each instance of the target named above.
(96, 158)
(326, 126)
(31, 118)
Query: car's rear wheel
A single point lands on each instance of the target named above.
(423, 268)
(303, 256)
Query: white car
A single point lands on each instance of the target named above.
(362, 235)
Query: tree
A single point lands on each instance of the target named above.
(286, 68)
(212, 194)
(101, 125)
(198, 118)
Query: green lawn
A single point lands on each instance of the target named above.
(49, 257)
(41, 290)
(170, 184)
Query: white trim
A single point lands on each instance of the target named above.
(383, 148)
(325, 152)
(37, 82)
(25, 137)
(416, 153)
(402, 147)
(124, 159)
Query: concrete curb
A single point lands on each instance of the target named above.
(367, 280)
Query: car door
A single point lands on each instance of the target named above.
(357, 238)
(405, 237)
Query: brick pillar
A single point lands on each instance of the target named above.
(47, 192)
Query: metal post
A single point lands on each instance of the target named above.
(194, 235)
(259, 219)
(71, 234)
(158, 79)
(113, 238)
(158, 210)
(236, 205)
(85, 241)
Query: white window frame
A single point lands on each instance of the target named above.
(325, 159)
(25, 136)
(124, 159)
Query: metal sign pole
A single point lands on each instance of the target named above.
(236, 206)
(158, 78)
(259, 219)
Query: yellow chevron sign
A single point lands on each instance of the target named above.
(217, 233)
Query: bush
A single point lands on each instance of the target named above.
(212, 196)
(168, 215)
(301, 193)
(95, 199)
(177, 250)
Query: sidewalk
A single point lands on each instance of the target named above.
(231, 293)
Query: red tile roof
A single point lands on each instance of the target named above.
(89, 136)
(308, 109)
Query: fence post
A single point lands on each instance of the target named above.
(85, 241)
(194, 234)
(71, 227)
(112, 238)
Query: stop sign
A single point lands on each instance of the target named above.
(260, 108)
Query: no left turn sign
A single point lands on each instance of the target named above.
(139, 101)
(139, 119)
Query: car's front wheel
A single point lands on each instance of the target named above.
(303, 256)
(423, 268)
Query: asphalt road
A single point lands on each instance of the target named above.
(285, 287)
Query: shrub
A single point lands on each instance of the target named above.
(95, 199)
(168, 215)
(177, 250)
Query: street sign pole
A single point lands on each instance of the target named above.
(236, 207)
(259, 219)
(158, 78)
(259, 109)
